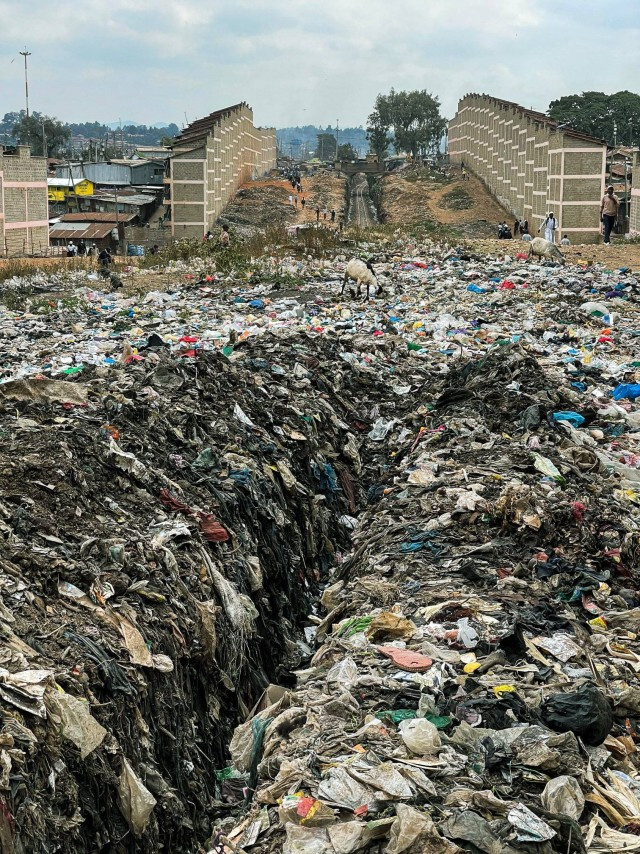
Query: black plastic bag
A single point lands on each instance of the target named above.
(586, 712)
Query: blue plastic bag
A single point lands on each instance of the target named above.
(574, 418)
(629, 390)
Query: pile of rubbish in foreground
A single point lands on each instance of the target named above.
(453, 468)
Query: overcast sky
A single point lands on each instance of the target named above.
(306, 61)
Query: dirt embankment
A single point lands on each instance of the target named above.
(419, 195)
(271, 201)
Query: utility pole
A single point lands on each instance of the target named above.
(337, 137)
(44, 141)
(26, 53)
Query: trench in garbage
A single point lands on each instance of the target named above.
(172, 483)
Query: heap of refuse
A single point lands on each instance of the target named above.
(284, 572)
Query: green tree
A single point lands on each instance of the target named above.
(346, 152)
(378, 135)
(614, 118)
(33, 131)
(414, 117)
(326, 146)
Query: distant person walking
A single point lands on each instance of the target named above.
(516, 227)
(303, 202)
(71, 249)
(317, 214)
(524, 227)
(333, 216)
(608, 213)
(295, 199)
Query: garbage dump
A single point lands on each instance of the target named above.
(287, 573)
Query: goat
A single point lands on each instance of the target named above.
(545, 249)
(361, 272)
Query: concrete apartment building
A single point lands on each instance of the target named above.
(530, 165)
(211, 158)
(24, 213)
(634, 211)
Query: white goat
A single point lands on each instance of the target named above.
(545, 249)
(362, 273)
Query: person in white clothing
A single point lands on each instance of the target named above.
(549, 227)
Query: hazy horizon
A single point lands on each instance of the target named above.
(297, 63)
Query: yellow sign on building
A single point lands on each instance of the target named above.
(58, 190)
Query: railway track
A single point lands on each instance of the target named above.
(361, 210)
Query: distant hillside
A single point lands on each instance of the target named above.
(301, 141)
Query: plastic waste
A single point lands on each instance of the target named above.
(563, 795)
(547, 468)
(134, 799)
(630, 391)
(585, 712)
(529, 828)
(573, 418)
(419, 735)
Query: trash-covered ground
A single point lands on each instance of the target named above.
(394, 544)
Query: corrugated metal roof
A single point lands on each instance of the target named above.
(64, 182)
(81, 231)
(133, 199)
(96, 216)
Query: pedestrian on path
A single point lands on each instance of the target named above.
(333, 216)
(317, 214)
(295, 198)
(303, 202)
(608, 213)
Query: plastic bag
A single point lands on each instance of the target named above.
(412, 826)
(626, 390)
(419, 735)
(547, 468)
(76, 721)
(586, 713)
(345, 672)
(529, 828)
(307, 840)
(134, 799)
(573, 418)
(563, 795)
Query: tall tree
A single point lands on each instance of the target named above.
(378, 135)
(346, 152)
(614, 118)
(38, 131)
(326, 146)
(414, 117)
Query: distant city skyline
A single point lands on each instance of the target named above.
(299, 62)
